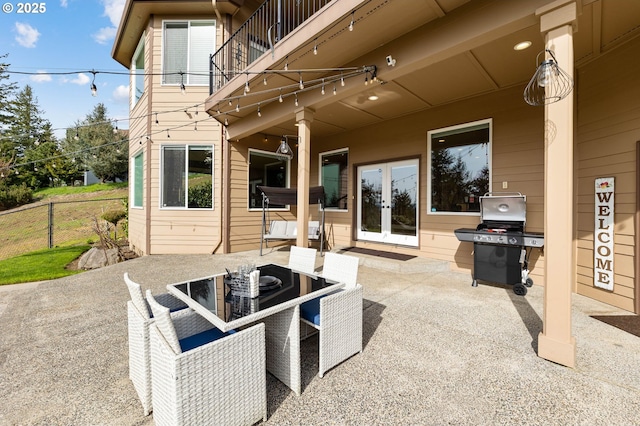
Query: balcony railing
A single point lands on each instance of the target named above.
(259, 34)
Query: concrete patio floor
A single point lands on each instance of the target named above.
(436, 351)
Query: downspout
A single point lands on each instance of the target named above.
(147, 147)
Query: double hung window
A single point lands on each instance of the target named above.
(186, 51)
(187, 177)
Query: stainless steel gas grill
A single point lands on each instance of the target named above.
(501, 248)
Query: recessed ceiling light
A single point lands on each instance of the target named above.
(522, 45)
(373, 98)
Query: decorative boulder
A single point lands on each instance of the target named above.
(98, 257)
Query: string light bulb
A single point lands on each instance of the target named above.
(296, 99)
(322, 91)
(315, 47)
(259, 113)
(238, 106)
(280, 97)
(157, 122)
(286, 64)
(183, 89)
(301, 82)
(115, 129)
(94, 88)
(352, 22)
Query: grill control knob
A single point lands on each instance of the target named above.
(513, 240)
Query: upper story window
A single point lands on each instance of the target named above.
(459, 167)
(137, 72)
(187, 47)
(334, 174)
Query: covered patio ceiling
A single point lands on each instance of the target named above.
(445, 51)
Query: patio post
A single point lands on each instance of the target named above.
(556, 343)
(304, 117)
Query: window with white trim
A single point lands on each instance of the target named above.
(137, 73)
(334, 174)
(187, 177)
(266, 169)
(137, 177)
(187, 47)
(459, 167)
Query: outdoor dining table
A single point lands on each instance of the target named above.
(278, 306)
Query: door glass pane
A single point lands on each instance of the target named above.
(404, 192)
(371, 196)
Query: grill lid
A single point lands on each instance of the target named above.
(503, 207)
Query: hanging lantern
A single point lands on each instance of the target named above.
(549, 83)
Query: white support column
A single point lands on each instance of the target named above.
(304, 117)
(556, 343)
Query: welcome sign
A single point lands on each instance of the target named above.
(603, 234)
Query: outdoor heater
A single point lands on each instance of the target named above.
(501, 247)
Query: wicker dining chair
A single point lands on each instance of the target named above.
(302, 259)
(139, 318)
(338, 315)
(204, 376)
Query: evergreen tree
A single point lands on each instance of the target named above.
(97, 145)
(7, 92)
(35, 145)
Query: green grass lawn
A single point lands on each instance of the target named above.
(40, 265)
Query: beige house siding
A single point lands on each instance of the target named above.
(517, 158)
(608, 127)
(173, 230)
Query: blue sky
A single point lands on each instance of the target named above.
(69, 36)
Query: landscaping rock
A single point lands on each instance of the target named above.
(98, 257)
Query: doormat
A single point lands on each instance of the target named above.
(380, 253)
(628, 323)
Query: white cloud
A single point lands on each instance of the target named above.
(112, 10)
(27, 35)
(105, 35)
(41, 77)
(80, 80)
(64, 3)
(121, 94)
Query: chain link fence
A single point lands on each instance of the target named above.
(51, 224)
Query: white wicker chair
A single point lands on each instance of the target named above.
(337, 316)
(139, 319)
(302, 259)
(206, 377)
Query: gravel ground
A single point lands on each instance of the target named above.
(436, 351)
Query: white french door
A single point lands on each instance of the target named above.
(388, 202)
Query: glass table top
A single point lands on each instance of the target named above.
(278, 284)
